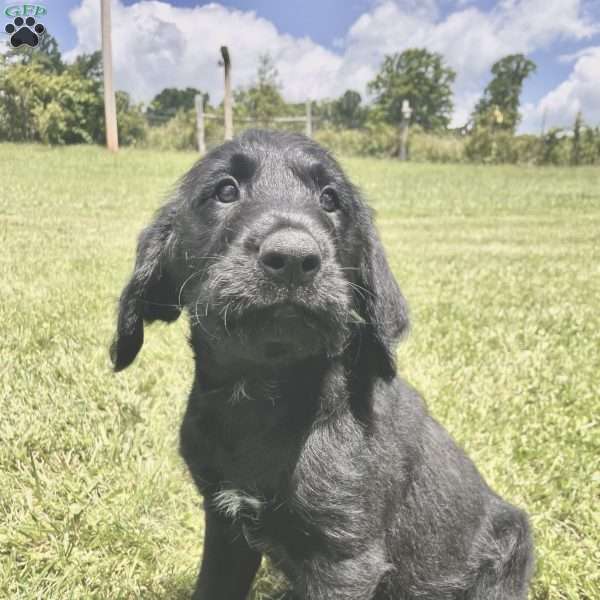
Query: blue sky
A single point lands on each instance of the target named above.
(295, 18)
(322, 47)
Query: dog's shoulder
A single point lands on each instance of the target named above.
(398, 410)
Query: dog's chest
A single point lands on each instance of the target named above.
(291, 482)
(248, 439)
(294, 528)
(269, 525)
(317, 500)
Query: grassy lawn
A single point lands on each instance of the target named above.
(501, 266)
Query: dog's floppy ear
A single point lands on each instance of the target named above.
(383, 306)
(151, 293)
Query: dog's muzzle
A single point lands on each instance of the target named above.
(290, 257)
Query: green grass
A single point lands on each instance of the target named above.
(501, 266)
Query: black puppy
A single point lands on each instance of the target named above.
(302, 440)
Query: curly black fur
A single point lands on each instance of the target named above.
(302, 440)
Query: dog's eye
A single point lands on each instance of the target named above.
(329, 200)
(227, 191)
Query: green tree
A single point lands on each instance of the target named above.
(422, 78)
(88, 66)
(53, 108)
(261, 101)
(38, 103)
(20, 91)
(267, 74)
(168, 102)
(590, 146)
(130, 120)
(46, 54)
(556, 149)
(499, 105)
(347, 111)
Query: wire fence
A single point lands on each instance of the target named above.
(207, 123)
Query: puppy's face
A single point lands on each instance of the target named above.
(272, 252)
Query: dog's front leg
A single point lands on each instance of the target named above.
(228, 563)
(354, 578)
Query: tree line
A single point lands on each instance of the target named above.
(416, 75)
(44, 99)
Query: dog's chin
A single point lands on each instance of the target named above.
(280, 335)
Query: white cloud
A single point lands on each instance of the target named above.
(579, 92)
(470, 39)
(156, 45)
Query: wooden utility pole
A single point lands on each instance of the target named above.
(308, 130)
(110, 108)
(406, 114)
(199, 101)
(227, 98)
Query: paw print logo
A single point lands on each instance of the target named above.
(24, 31)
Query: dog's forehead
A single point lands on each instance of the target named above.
(278, 156)
(291, 163)
(270, 162)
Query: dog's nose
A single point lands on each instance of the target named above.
(290, 256)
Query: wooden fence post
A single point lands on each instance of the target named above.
(227, 99)
(110, 108)
(199, 102)
(308, 130)
(406, 113)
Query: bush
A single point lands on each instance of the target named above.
(590, 147)
(376, 140)
(346, 142)
(179, 133)
(556, 148)
(51, 124)
(131, 122)
(429, 147)
(60, 108)
(527, 149)
(488, 145)
(48, 107)
(381, 140)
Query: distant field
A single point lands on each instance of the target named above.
(501, 267)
